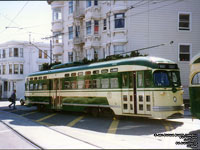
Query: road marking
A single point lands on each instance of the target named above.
(72, 123)
(29, 113)
(113, 127)
(46, 117)
(46, 124)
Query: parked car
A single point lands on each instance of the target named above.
(22, 100)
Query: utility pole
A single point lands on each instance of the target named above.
(51, 37)
(51, 51)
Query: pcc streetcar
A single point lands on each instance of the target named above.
(139, 86)
(194, 86)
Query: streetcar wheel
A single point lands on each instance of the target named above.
(22, 102)
(95, 112)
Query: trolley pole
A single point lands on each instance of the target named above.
(50, 51)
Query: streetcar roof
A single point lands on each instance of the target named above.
(141, 61)
(195, 59)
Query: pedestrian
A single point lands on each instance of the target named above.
(13, 98)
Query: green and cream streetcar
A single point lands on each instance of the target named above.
(194, 87)
(139, 86)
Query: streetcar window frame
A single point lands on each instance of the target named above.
(40, 78)
(140, 79)
(45, 77)
(196, 77)
(105, 83)
(114, 83)
(104, 71)
(114, 70)
(88, 73)
(96, 83)
(66, 75)
(80, 84)
(95, 72)
(80, 74)
(73, 74)
(167, 82)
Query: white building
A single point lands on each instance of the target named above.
(96, 29)
(17, 60)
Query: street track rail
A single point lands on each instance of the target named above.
(23, 137)
(39, 147)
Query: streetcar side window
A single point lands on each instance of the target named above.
(196, 79)
(147, 78)
(105, 83)
(114, 82)
(88, 73)
(88, 84)
(80, 73)
(104, 71)
(80, 84)
(40, 86)
(124, 79)
(96, 83)
(96, 72)
(161, 79)
(140, 81)
(67, 85)
(74, 84)
(31, 86)
(36, 87)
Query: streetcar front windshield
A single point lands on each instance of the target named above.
(161, 78)
(166, 78)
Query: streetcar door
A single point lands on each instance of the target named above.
(127, 93)
(55, 98)
(134, 92)
(144, 95)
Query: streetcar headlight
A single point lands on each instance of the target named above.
(174, 98)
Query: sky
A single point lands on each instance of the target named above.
(19, 19)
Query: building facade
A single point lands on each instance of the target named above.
(95, 29)
(17, 60)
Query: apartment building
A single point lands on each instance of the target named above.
(95, 29)
(17, 60)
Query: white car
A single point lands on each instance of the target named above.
(22, 100)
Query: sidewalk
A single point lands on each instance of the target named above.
(41, 135)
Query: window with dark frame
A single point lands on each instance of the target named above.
(10, 52)
(16, 68)
(40, 53)
(10, 68)
(96, 27)
(21, 68)
(104, 24)
(70, 7)
(88, 27)
(16, 52)
(21, 52)
(70, 29)
(88, 3)
(184, 21)
(4, 69)
(45, 54)
(119, 20)
(4, 53)
(95, 2)
(184, 52)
